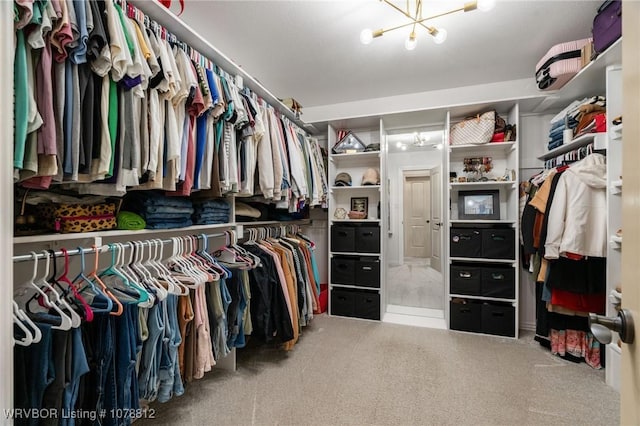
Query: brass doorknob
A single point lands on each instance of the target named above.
(601, 327)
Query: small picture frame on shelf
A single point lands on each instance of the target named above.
(361, 205)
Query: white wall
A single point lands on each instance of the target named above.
(482, 93)
(395, 163)
(6, 195)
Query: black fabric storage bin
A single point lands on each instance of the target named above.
(367, 305)
(368, 239)
(465, 242)
(498, 319)
(498, 243)
(367, 272)
(498, 281)
(343, 270)
(465, 316)
(342, 302)
(343, 238)
(465, 279)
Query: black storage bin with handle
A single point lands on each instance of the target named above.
(343, 302)
(343, 238)
(368, 239)
(498, 318)
(343, 270)
(465, 279)
(367, 305)
(498, 243)
(465, 315)
(367, 272)
(465, 242)
(498, 281)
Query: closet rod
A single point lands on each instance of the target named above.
(101, 249)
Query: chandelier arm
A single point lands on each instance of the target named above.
(419, 21)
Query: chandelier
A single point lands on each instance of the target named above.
(414, 13)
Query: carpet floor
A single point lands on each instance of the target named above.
(415, 284)
(353, 372)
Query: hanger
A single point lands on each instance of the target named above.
(77, 298)
(178, 263)
(21, 319)
(186, 245)
(94, 275)
(148, 277)
(203, 251)
(28, 337)
(200, 263)
(65, 320)
(140, 274)
(165, 272)
(42, 282)
(91, 285)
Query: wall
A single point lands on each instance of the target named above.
(483, 93)
(395, 163)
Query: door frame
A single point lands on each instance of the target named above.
(400, 175)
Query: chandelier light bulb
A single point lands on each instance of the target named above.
(440, 36)
(411, 42)
(486, 5)
(366, 36)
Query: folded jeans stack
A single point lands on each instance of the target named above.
(570, 118)
(209, 212)
(160, 212)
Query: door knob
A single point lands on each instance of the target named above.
(602, 326)
(428, 221)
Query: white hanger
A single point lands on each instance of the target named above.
(178, 260)
(161, 292)
(165, 273)
(28, 337)
(142, 270)
(76, 319)
(65, 321)
(22, 316)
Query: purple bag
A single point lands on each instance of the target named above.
(607, 25)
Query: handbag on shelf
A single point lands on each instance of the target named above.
(70, 218)
(476, 130)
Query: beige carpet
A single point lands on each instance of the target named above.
(353, 372)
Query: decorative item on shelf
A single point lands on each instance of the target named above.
(343, 179)
(349, 143)
(508, 176)
(372, 147)
(360, 205)
(414, 12)
(371, 177)
(340, 213)
(480, 204)
(453, 177)
(357, 215)
(476, 130)
(476, 168)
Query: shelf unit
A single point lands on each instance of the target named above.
(599, 141)
(355, 245)
(475, 309)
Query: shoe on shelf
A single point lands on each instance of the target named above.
(616, 121)
(619, 233)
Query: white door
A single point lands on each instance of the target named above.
(416, 212)
(630, 368)
(436, 219)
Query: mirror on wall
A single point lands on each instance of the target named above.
(415, 284)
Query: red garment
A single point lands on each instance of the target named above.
(579, 302)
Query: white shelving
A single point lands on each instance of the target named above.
(504, 161)
(598, 139)
(350, 292)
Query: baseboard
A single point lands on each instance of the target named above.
(530, 326)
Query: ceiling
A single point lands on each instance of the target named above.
(311, 51)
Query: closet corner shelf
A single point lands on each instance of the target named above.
(477, 221)
(481, 260)
(503, 147)
(115, 233)
(490, 299)
(584, 140)
(616, 186)
(616, 242)
(355, 220)
(342, 188)
(487, 184)
(588, 81)
(355, 156)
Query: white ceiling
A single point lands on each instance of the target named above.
(310, 50)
